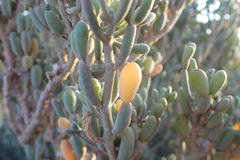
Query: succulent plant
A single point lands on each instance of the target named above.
(98, 78)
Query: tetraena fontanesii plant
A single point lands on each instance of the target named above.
(82, 77)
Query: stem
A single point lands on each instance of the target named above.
(110, 75)
(64, 15)
(59, 47)
(110, 30)
(108, 136)
(92, 20)
(140, 151)
(194, 154)
(107, 95)
(179, 155)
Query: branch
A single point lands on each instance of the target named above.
(195, 154)
(51, 85)
(9, 108)
(210, 44)
(154, 37)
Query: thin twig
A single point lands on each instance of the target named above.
(175, 45)
(160, 143)
(215, 59)
(64, 15)
(104, 8)
(154, 37)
